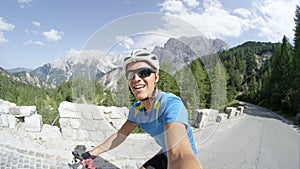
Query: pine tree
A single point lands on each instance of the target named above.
(281, 77)
(288, 75)
(275, 80)
(122, 94)
(296, 63)
(218, 87)
(202, 81)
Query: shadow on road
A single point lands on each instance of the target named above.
(258, 111)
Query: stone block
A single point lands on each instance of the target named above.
(33, 123)
(204, 117)
(3, 120)
(107, 110)
(231, 112)
(196, 119)
(90, 125)
(219, 118)
(97, 136)
(241, 109)
(98, 115)
(86, 110)
(5, 106)
(12, 121)
(15, 110)
(118, 123)
(117, 114)
(68, 110)
(27, 110)
(69, 133)
(70, 123)
(82, 135)
(4, 109)
(51, 131)
(237, 112)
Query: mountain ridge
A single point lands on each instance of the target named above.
(177, 52)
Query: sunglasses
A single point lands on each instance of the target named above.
(141, 72)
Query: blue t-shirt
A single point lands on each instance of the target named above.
(167, 108)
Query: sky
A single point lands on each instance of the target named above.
(36, 32)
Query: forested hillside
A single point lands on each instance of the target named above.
(273, 82)
(47, 100)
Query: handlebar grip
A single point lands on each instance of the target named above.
(77, 155)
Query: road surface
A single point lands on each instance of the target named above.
(257, 139)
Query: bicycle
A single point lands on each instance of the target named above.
(78, 162)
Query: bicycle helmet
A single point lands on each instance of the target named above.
(142, 55)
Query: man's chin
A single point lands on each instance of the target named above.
(141, 97)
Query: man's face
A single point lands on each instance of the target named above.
(141, 87)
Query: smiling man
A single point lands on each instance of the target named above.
(161, 114)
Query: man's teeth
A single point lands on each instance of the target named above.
(138, 87)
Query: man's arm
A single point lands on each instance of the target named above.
(180, 153)
(115, 139)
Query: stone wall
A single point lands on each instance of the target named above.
(90, 122)
(205, 117)
(11, 115)
(87, 122)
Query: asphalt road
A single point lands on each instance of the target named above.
(257, 139)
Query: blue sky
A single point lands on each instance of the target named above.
(35, 32)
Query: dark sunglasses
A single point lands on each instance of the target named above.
(141, 72)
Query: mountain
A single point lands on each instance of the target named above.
(19, 69)
(25, 78)
(177, 53)
(91, 67)
(4, 72)
(106, 69)
(30, 79)
(181, 52)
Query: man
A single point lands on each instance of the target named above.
(161, 114)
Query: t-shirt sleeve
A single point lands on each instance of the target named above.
(131, 117)
(175, 111)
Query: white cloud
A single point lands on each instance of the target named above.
(242, 12)
(127, 43)
(23, 3)
(212, 4)
(271, 19)
(191, 3)
(151, 41)
(213, 21)
(173, 6)
(53, 35)
(147, 40)
(4, 26)
(274, 18)
(28, 31)
(32, 42)
(2, 38)
(35, 23)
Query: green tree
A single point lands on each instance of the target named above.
(203, 83)
(296, 63)
(122, 94)
(280, 77)
(218, 87)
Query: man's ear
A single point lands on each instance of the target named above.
(156, 77)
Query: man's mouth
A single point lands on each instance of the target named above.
(139, 86)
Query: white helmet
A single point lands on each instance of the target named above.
(142, 55)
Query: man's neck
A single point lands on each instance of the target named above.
(149, 102)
